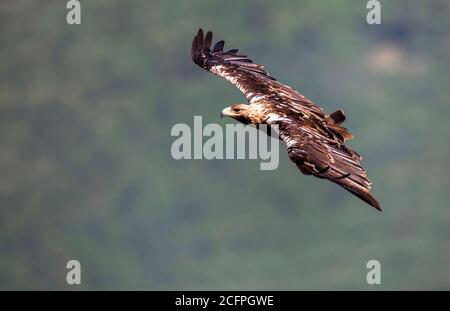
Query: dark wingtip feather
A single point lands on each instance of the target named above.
(218, 47)
(203, 56)
(194, 46)
(208, 39)
(200, 38)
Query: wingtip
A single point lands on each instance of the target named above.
(378, 207)
(197, 42)
(208, 39)
(372, 201)
(202, 40)
(363, 194)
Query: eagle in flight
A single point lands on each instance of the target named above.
(315, 141)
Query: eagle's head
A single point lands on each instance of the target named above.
(241, 112)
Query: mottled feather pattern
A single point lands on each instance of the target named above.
(314, 140)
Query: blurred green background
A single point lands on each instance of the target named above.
(86, 170)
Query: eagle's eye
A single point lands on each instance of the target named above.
(236, 109)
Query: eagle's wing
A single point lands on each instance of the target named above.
(318, 155)
(250, 78)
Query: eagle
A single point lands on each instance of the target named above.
(315, 141)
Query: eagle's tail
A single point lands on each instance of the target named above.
(334, 122)
(338, 116)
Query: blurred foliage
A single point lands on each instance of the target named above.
(85, 119)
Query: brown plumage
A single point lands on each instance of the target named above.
(314, 140)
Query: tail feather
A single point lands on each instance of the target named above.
(338, 116)
(340, 131)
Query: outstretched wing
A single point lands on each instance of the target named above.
(250, 78)
(314, 154)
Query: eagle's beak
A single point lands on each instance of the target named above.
(227, 112)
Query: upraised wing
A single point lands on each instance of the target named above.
(250, 78)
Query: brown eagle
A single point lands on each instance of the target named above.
(314, 139)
